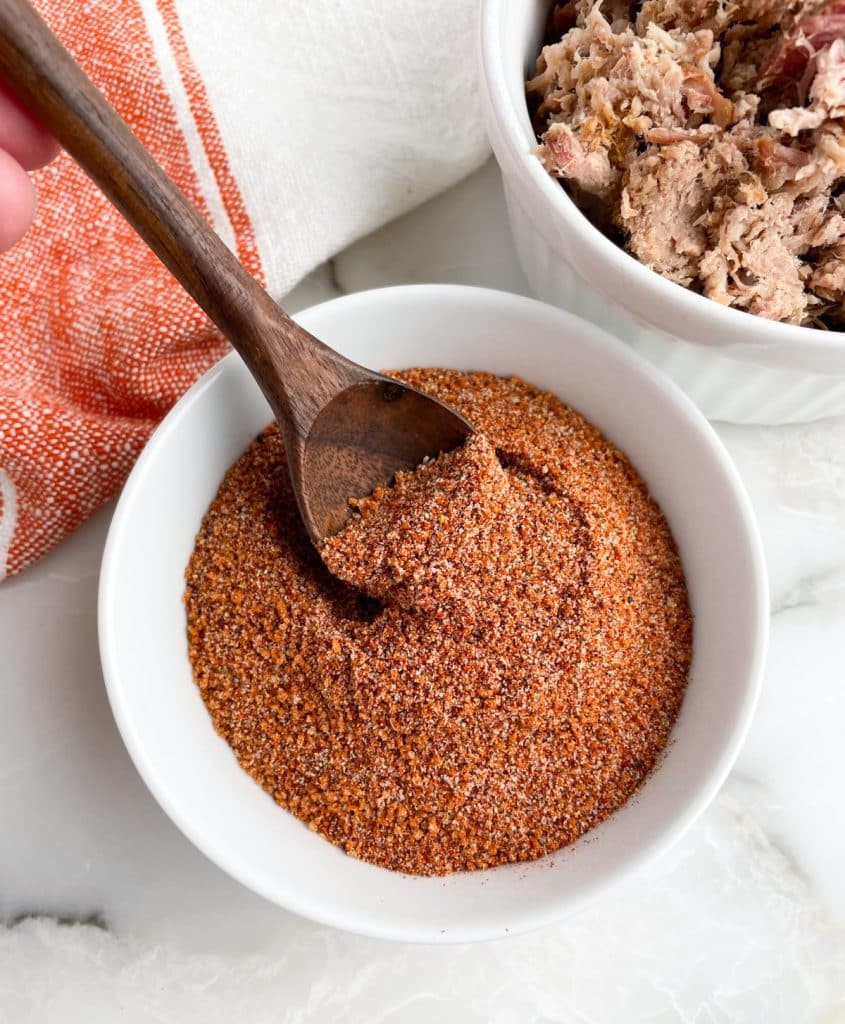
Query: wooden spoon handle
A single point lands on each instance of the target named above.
(296, 372)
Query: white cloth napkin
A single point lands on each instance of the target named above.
(336, 116)
(296, 127)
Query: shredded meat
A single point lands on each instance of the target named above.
(711, 134)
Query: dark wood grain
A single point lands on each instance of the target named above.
(346, 428)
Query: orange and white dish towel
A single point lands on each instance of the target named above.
(295, 127)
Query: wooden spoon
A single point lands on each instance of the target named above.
(346, 429)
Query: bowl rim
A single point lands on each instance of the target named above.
(512, 137)
(340, 917)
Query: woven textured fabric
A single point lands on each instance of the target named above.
(295, 129)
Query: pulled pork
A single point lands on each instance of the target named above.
(708, 137)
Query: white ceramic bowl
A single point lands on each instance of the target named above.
(194, 775)
(735, 366)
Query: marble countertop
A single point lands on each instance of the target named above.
(109, 914)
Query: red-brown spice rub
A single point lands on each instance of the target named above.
(514, 672)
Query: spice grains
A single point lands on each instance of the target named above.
(505, 667)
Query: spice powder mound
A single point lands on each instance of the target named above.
(502, 665)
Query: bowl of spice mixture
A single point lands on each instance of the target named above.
(674, 171)
(515, 675)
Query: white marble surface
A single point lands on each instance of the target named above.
(110, 914)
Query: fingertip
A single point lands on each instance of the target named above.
(17, 201)
(30, 144)
(41, 148)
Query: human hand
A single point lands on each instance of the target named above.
(24, 145)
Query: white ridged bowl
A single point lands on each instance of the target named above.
(735, 366)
